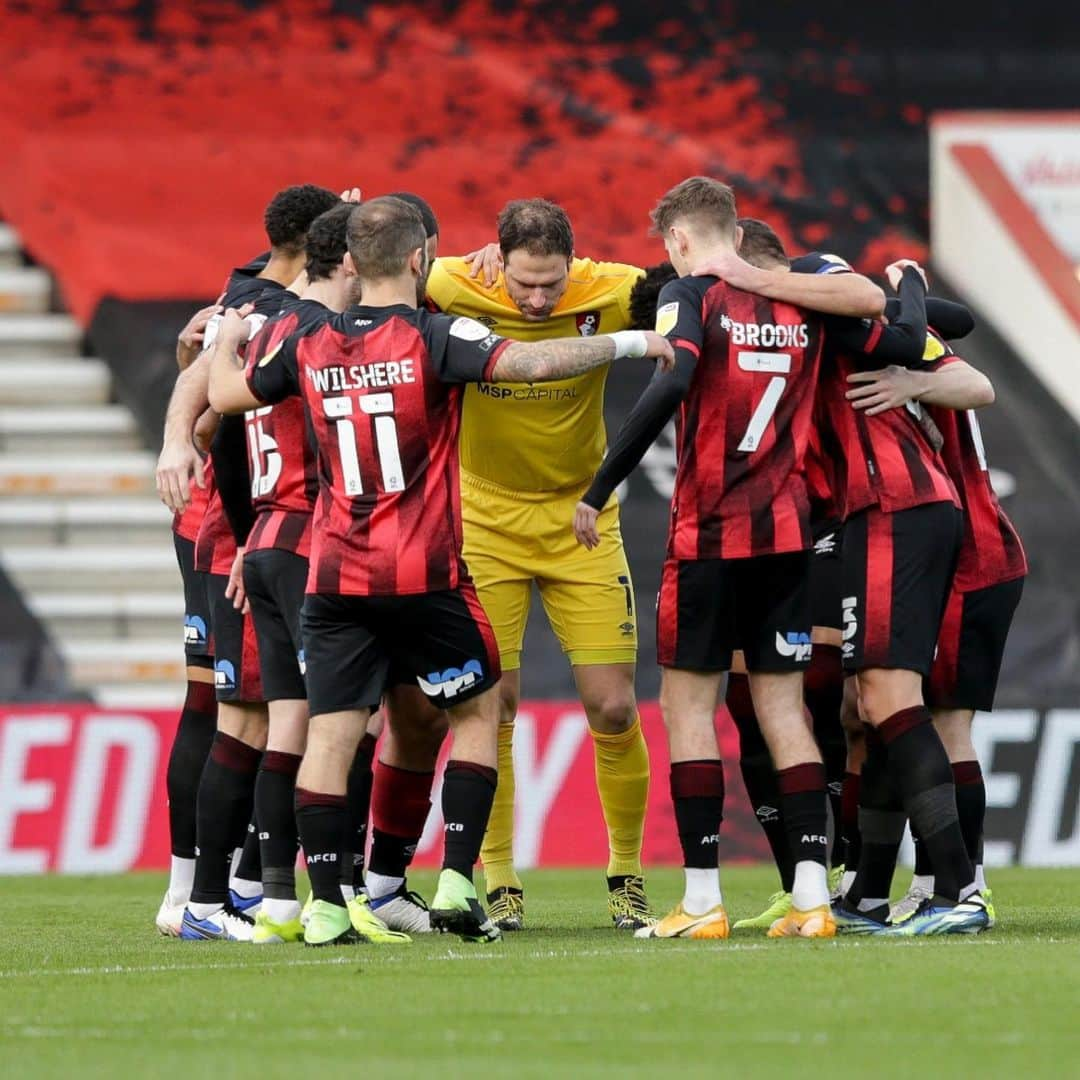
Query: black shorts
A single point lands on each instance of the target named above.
(196, 606)
(970, 647)
(827, 577)
(898, 570)
(236, 653)
(441, 640)
(708, 608)
(275, 581)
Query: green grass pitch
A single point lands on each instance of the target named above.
(89, 990)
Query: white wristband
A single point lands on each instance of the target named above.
(630, 343)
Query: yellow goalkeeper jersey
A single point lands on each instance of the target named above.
(537, 437)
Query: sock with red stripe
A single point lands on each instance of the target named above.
(805, 811)
(920, 771)
(358, 798)
(275, 794)
(321, 820)
(697, 791)
(467, 795)
(226, 792)
(759, 777)
(400, 804)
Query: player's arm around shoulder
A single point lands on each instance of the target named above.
(229, 390)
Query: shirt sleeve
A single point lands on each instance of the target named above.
(678, 318)
(465, 351)
(441, 288)
(272, 376)
(228, 449)
(901, 341)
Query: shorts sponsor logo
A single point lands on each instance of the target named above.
(588, 323)
(224, 675)
(194, 630)
(767, 813)
(301, 659)
(850, 625)
(452, 681)
(794, 644)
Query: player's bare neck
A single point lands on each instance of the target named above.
(326, 291)
(282, 268)
(386, 292)
(707, 254)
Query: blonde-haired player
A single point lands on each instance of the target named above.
(527, 454)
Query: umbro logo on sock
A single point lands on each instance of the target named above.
(767, 813)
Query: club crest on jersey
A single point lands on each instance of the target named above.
(452, 681)
(224, 675)
(667, 318)
(194, 630)
(588, 323)
(794, 644)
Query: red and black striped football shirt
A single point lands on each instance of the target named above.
(284, 480)
(885, 460)
(743, 388)
(381, 390)
(991, 552)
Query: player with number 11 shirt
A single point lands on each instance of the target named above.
(381, 385)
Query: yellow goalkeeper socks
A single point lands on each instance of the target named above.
(497, 852)
(622, 782)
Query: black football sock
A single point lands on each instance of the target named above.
(922, 858)
(697, 790)
(187, 759)
(275, 794)
(881, 828)
(759, 777)
(970, 806)
(805, 807)
(226, 792)
(358, 795)
(849, 821)
(467, 794)
(321, 821)
(921, 773)
(823, 692)
(249, 865)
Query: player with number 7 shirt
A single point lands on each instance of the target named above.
(381, 386)
(737, 569)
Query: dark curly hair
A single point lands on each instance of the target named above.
(645, 294)
(327, 241)
(290, 214)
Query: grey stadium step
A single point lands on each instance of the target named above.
(52, 380)
(59, 430)
(121, 473)
(25, 290)
(89, 568)
(115, 615)
(27, 336)
(92, 661)
(55, 519)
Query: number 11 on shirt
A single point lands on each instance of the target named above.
(381, 408)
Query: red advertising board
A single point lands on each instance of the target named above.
(82, 790)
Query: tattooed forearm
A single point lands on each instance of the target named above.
(543, 361)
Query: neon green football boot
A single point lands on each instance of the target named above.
(988, 896)
(836, 879)
(369, 927)
(456, 910)
(779, 905)
(329, 924)
(268, 932)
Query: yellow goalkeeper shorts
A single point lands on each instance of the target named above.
(515, 538)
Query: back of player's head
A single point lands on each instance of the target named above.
(327, 241)
(700, 203)
(760, 246)
(431, 222)
(383, 234)
(291, 212)
(537, 226)
(646, 293)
